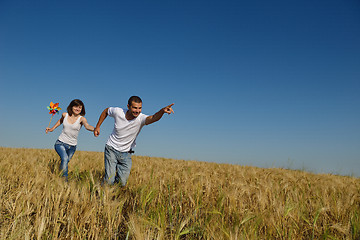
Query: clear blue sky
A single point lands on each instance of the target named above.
(260, 83)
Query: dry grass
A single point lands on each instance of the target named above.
(171, 199)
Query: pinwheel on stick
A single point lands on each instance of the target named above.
(53, 108)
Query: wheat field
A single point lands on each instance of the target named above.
(170, 199)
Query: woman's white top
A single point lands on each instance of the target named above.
(70, 131)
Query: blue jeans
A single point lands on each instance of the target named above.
(65, 152)
(117, 166)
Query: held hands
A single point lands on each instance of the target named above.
(168, 109)
(96, 131)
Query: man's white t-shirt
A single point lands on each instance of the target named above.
(123, 136)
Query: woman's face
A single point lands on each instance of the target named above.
(77, 109)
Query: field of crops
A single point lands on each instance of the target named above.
(171, 199)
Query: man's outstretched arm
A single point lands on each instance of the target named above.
(102, 117)
(157, 116)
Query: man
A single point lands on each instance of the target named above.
(119, 146)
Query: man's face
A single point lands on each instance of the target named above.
(135, 109)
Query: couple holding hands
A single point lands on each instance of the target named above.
(119, 146)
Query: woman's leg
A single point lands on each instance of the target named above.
(61, 149)
(70, 152)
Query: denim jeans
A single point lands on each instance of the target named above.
(65, 152)
(117, 166)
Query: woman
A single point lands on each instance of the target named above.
(72, 121)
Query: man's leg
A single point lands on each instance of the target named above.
(123, 167)
(110, 164)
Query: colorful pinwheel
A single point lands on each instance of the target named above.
(53, 108)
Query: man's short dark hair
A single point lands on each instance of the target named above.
(134, 99)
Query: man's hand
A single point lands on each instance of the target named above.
(102, 117)
(168, 109)
(96, 131)
(156, 117)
